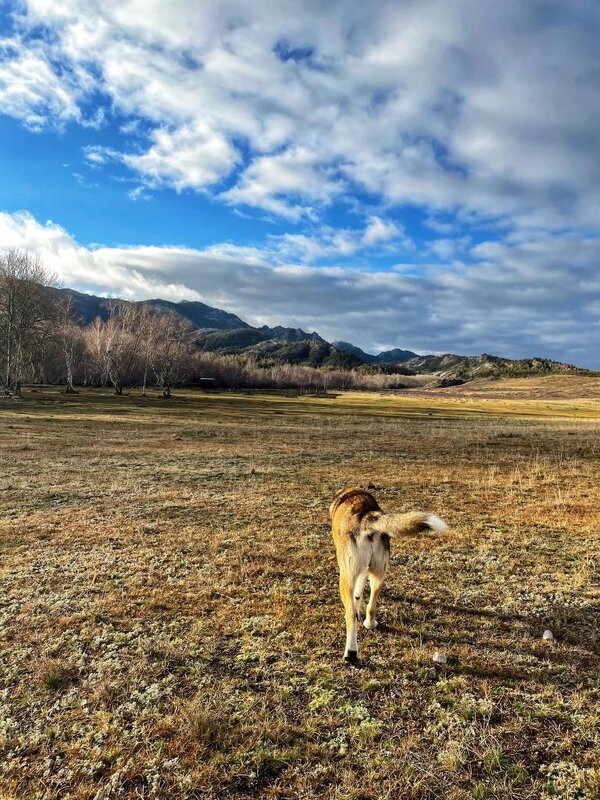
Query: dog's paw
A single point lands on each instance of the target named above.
(370, 626)
(351, 658)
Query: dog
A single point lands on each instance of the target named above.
(361, 533)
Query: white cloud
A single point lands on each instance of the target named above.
(379, 234)
(488, 107)
(380, 230)
(446, 249)
(514, 300)
(188, 157)
(273, 183)
(103, 271)
(322, 242)
(30, 89)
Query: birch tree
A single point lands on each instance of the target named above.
(170, 349)
(120, 340)
(70, 339)
(26, 311)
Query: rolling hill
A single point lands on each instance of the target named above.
(227, 334)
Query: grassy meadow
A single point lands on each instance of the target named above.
(170, 625)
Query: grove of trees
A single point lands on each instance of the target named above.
(42, 341)
(26, 314)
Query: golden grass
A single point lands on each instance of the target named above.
(169, 618)
(548, 387)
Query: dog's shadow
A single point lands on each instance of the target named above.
(576, 631)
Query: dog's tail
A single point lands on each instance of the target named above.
(409, 524)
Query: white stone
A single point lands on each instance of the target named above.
(439, 658)
(548, 636)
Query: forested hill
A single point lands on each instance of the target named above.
(226, 334)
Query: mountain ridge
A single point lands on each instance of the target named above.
(227, 334)
(394, 356)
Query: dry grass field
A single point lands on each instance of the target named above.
(547, 388)
(169, 619)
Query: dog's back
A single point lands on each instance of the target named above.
(347, 509)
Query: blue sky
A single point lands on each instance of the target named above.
(420, 174)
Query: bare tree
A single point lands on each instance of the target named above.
(147, 317)
(41, 340)
(70, 338)
(26, 309)
(95, 361)
(120, 342)
(170, 344)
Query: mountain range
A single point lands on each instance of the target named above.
(221, 332)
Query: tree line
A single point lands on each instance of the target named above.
(42, 341)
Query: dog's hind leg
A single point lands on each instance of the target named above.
(351, 651)
(376, 582)
(359, 588)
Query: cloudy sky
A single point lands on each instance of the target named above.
(421, 174)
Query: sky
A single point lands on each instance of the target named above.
(421, 174)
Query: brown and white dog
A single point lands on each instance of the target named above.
(361, 533)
